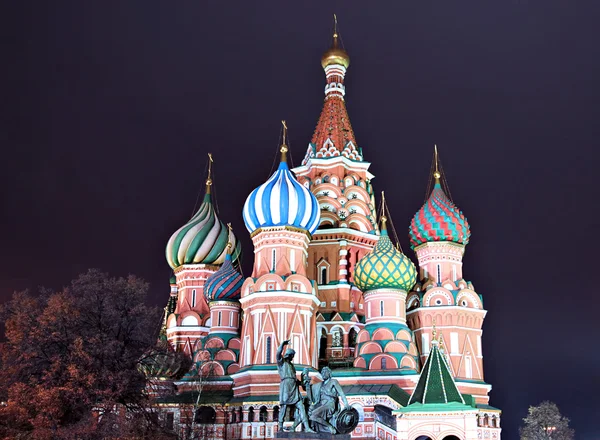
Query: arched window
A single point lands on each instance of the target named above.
(193, 297)
(323, 345)
(276, 413)
(251, 414)
(262, 414)
(268, 350)
(352, 338)
(205, 414)
(384, 363)
(323, 275)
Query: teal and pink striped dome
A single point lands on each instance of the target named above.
(225, 284)
(439, 220)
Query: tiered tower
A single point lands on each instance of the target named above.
(194, 252)
(279, 301)
(335, 171)
(439, 233)
(385, 275)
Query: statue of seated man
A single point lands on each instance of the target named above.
(325, 400)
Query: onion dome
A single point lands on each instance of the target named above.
(163, 362)
(439, 220)
(225, 284)
(282, 201)
(335, 54)
(203, 239)
(385, 267)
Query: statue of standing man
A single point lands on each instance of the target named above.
(289, 389)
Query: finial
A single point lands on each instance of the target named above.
(284, 148)
(436, 173)
(209, 179)
(229, 243)
(335, 33)
(383, 209)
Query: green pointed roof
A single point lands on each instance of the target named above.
(436, 385)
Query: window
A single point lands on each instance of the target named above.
(380, 308)
(205, 414)
(468, 367)
(323, 303)
(425, 343)
(273, 260)
(454, 343)
(262, 414)
(333, 303)
(351, 304)
(251, 414)
(219, 320)
(384, 363)
(323, 272)
(193, 297)
(169, 419)
(268, 350)
(439, 274)
(453, 272)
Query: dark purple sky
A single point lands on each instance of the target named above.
(108, 108)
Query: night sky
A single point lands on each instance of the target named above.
(108, 109)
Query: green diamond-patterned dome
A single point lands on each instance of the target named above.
(385, 267)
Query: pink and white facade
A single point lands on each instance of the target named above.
(327, 276)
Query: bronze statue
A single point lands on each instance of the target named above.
(289, 391)
(325, 411)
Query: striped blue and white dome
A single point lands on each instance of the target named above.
(282, 201)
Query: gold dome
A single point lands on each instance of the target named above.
(335, 55)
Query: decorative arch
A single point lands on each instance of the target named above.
(404, 335)
(382, 333)
(370, 348)
(376, 362)
(214, 342)
(363, 336)
(225, 355)
(395, 347)
(360, 362)
(408, 362)
(192, 319)
(212, 368)
(432, 296)
(233, 368)
(471, 299)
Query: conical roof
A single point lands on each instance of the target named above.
(436, 384)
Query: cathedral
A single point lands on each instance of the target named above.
(403, 341)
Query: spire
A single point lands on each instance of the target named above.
(436, 173)
(333, 136)
(284, 148)
(383, 216)
(436, 385)
(209, 178)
